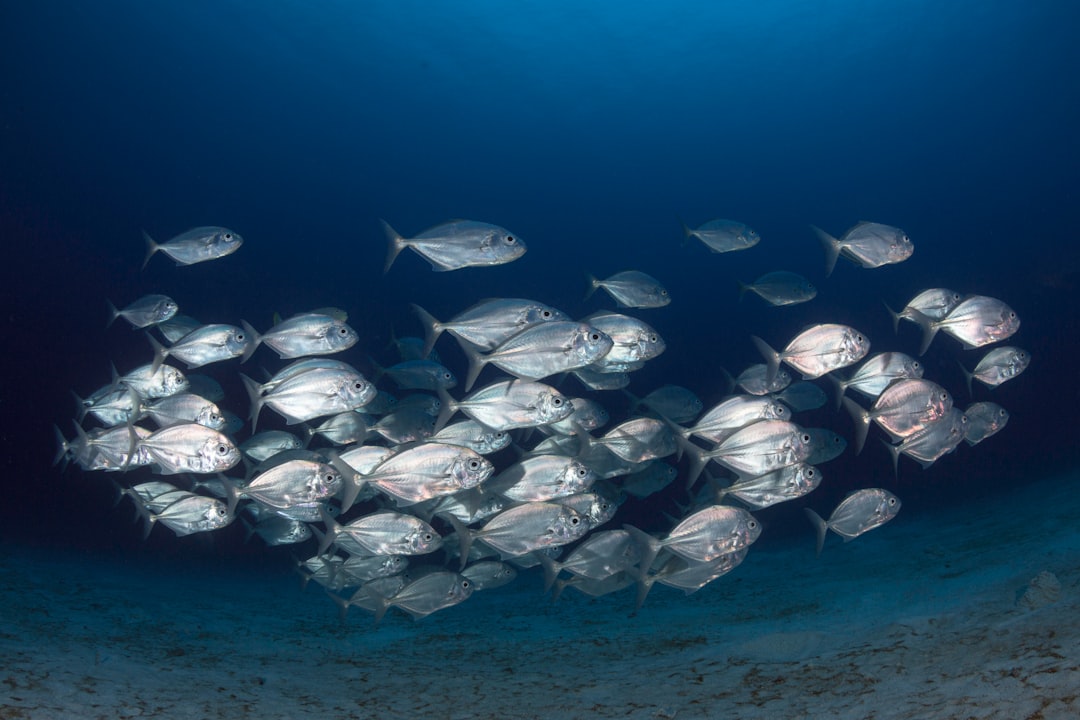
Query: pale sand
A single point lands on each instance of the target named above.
(918, 619)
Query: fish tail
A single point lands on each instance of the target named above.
(465, 538)
(895, 317)
(820, 527)
(396, 243)
(772, 358)
(687, 232)
(113, 313)
(352, 482)
(477, 361)
(82, 407)
(967, 376)
(894, 453)
(650, 546)
(332, 530)
(861, 420)
(644, 582)
(551, 570)
(929, 327)
(446, 411)
(729, 380)
(62, 448)
(254, 340)
(840, 386)
(151, 248)
(831, 246)
(743, 287)
(593, 284)
(432, 328)
(254, 391)
(232, 492)
(160, 353)
(342, 605)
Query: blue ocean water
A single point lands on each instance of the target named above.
(588, 129)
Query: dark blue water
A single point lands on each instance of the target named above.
(589, 131)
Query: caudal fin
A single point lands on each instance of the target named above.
(151, 248)
(395, 244)
(772, 358)
(432, 328)
(831, 246)
(820, 527)
(861, 419)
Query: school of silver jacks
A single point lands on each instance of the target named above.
(389, 484)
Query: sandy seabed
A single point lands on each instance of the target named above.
(927, 617)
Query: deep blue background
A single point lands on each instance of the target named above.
(589, 131)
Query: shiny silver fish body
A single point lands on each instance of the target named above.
(457, 244)
(146, 311)
(721, 236)
(781, 288)
(542, 350)
(632, 289)
(868, 245)
(859, 512)
(304, 335)
(196, 245)
(817, 350)
(510, 404)
(984, 420)
(488, 323)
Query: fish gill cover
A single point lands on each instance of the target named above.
(698, 147)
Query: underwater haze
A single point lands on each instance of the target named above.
(592, 132)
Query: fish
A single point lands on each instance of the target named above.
(177, 327)
(587, 415)
(419, 375)
(903, 408)
(189, 447)
(632, 289)
(524, 528)
(934, 303)
(429, 470)
(191, 514)
(781, 485)
(309, 394)
(196, 245)
(756, 449)
(542, 350)
(599, 556)
(674, 402)
(205, 345)
(867, 244)
(457, 244)
(997, 366)
(818, 350)
(702, 536)
(721, 236)
(802, 396)
(858, 513)
(264, 445)
(781, 288)
(825, 445)
(488, 323)
(146, 311)
(151, 382)
(755, 380)
(508, 405)
(977, 321)
(384, 532)
(291, 483)
(432, 592)
(185, 407)
(929, 444)
(726, 418)
(984, 420)
(542, 477)
(473, 435)
(632, 340)
(876, 373)
(303, 335)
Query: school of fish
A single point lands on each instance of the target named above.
(414, 488)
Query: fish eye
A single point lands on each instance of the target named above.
(228, 236)
(223, 449)
(575, 520)
(751, 525)
(809, 472)
(915, 365)
(474, 464)
(557, 401)
(447, 375)
(582, 472)
(663, 291)
(358, 385)
(653, 338)
(892, 501)
(330, 477)
(545, 313)
(464, 584)
(780, 410)
(595, 337)
(343, 331)
(806, 438)
(427, 537)
(511, 239)
(221, 512)
(240, 337)
(1012, 315)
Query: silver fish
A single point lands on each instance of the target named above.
(192, 514)
(342, 429)
(722, 236)
(859, 512)
(150, 382)
(781, 288)
(817, 350)
(876, 373)
(758, 448)
(208, 344)
(934, 303)
(702, 536)
(601, 555)
(185, 408)
(384, 533)
(310, 394)
(146, 311)
(292, 483)
(264, 445)
(508, 405)
(190, 447)
(997, 366)
(632, 289)
(420, 375)
(524, 528)
(303, 335)
(542, 350)
(428, 594)
(429, 470)
(802, 396)
(178, 326)
(638, 439)
(406, 424)
(489, 574)
(489, 323)
(868, 245)
(652, 478)
(543, 477)
(457, 244)
(825, 445)
(735, 413)
(787, 483)
(978, 320)
(473, 435)
(588, 415)
(984, 419)
(195, 245)
(755, 380)
(632, 340)
(905, 407)
(932, 442)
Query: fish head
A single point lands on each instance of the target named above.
(215, 516)
(499, 246)
(210, 416)
(856, 345)
(575, 478)
(171, 381)
(356, 391)
(424, 540)
(567, 526)
(223, 241)
(470, 469)
(589, 344)
(900, 248)
(165, 310)
(340, 336)
(804, 479)
(887, 507)
(217, 454)
(324, 482)
(551, 406)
